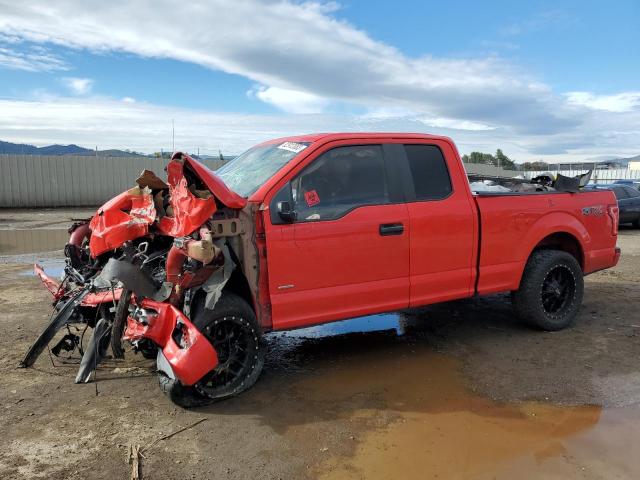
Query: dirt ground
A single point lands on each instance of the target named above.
(459, 390)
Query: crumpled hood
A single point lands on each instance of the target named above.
(131, 214)
(217, 187)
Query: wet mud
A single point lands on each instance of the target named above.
(459, 390)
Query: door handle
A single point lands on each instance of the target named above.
(391, 229)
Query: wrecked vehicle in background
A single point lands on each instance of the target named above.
(308, 230)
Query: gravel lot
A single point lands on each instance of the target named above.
(459, 390)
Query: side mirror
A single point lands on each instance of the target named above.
(285, 212)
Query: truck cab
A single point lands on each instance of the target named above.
(357, 224)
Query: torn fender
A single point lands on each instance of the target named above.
(189, 208)
(124, 217)
(188, 352)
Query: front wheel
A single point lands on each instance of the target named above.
(551, 290)
(232, 329)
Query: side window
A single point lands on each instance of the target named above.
(632, 192)
(340, 180)
(429, 171)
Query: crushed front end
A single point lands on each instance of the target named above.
(148, 260)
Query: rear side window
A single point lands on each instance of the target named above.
(339, 181)
(429, 171)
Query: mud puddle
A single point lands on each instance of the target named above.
(404, 410)
(17, 242)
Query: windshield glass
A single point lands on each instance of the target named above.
(246, 173)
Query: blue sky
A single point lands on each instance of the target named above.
(554, 80)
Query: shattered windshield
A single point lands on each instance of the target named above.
(246, 173)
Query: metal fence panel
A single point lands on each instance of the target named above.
(69, 180)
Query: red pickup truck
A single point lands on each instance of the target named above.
(318, 228)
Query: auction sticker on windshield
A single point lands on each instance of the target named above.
(292, 146)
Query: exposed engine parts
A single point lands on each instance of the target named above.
(143, 264)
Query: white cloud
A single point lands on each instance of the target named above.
(300, 52)
(455, 124)
(291, 101)
(306, 60)
(112, 123)
(621, 102)
(29, 59)
(78, 86)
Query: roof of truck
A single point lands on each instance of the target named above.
(326, 137)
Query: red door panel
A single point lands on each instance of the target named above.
(330, 270)
(444, 232)
(442, 236)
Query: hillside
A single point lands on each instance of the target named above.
(25, 149)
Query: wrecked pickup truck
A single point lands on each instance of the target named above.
(307, 230)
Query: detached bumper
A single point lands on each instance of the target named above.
(184, 352)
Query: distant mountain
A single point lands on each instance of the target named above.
(24, 149)
(18, 148)
(630, 159)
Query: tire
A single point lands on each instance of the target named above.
(233, 315)
(551, 290)
(637, 223)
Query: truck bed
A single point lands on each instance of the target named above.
(512, 224)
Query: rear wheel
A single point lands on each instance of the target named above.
(233, 330)
(637, 223)
(551, 290)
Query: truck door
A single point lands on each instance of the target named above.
(443, 223)
(346, 253)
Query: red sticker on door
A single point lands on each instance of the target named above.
(312, 198)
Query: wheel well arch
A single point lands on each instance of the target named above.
(563, 241)
(239, 285)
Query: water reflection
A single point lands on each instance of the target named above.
(16, 242)
(371, 323)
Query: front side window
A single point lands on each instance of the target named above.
(246, 173)
(338, 181)
(429, 171)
